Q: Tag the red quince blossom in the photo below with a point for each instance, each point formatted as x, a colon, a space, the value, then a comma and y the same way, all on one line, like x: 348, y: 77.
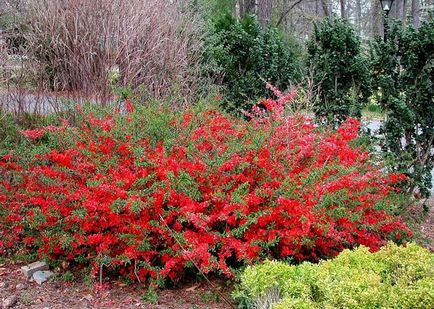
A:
x: 221, y: 193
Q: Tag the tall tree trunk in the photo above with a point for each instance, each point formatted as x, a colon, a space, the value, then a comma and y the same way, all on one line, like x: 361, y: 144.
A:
x: 265, y: 8
x: 246, y: 7
x: 249, y: 6
x: 342, y: 5
x: 326, y: 7
x: 398, y: 10
x: 415, y: 8
x: 376, y: 18
x: 403, y: 10
x: 240, y: 6
x: 358, y: 11
x: 394, y: 11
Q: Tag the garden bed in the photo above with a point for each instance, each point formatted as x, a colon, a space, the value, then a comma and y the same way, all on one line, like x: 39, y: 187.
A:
x: 60, y: 294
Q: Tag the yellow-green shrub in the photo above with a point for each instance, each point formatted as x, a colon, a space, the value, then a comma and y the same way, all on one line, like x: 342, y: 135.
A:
x: 394, y: 277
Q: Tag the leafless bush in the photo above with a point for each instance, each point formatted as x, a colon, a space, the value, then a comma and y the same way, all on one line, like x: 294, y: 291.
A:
x: 13, y: 5
x: 87, y: 46
x: 307, y: 93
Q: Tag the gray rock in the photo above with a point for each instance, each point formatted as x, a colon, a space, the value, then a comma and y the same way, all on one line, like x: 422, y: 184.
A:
x: 42, y: 276
x: 10, y: 301
x: 20, y: 286
x: 30, y: 269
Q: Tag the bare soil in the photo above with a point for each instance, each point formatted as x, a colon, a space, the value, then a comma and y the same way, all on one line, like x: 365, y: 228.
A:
x: 58, y: 294
x: 427, y: 227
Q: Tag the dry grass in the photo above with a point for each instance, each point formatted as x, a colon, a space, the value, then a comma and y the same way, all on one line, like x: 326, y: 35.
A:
x: 88, y: 46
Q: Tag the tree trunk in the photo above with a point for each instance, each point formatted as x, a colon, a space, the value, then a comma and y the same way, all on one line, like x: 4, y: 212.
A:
x: 415, y: 8
x: 393, y: 13
x: 239, y: 8
x: 326, y: 7
x: 358, y: 16
x: 265, y: 8
x: 246, y: 7
x: 377, y: 18
x: 249, y: 6
x: 342, y: 5
x: 403, y: 10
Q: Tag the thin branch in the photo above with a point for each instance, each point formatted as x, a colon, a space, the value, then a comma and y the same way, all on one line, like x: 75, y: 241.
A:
x: 283, y: 15
x: 198, y: 268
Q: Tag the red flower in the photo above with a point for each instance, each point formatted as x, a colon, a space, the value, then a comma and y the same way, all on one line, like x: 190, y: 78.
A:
x: 129, y: 106
x: 33, y: 134
x: 220, y: 192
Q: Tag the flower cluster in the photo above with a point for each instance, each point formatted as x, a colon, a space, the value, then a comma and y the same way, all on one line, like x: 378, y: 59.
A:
x: 223, y: 193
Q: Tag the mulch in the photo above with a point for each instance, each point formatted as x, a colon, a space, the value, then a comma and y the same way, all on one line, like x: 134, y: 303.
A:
x: 58, y: 294
x: 427, y: 227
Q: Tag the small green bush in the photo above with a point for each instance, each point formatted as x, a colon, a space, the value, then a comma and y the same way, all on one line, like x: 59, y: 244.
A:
x: 394, y: 277
x: 10, y: 126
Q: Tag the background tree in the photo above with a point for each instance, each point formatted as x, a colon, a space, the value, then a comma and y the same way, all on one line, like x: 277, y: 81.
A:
x: 246, y: 7
x: 242, y: 55
x: 415, y: 12
x: 403, y: 80
x: 265, y: 8
x: 339, y: 71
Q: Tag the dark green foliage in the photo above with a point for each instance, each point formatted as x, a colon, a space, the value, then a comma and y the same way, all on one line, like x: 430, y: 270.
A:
x: 339, y: 71
x: 10, y: 127
x: 214, y: 9
x: 403, y: 80
x: 242, y: 57
x: 12, y: 27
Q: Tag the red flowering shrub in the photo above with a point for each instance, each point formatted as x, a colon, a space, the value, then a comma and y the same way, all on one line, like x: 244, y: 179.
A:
x: 219, y: 192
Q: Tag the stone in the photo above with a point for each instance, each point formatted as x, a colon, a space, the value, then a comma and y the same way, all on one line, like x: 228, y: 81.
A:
x: 30, y: 269
x: 20, y: 286
x: 42, y: 275
x: 10, y: 302
x: 4, y: 285
x: 88, y: 297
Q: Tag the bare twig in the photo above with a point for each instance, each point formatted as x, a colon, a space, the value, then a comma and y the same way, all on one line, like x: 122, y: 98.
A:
x: 135, y: 271
x: 286, y: 12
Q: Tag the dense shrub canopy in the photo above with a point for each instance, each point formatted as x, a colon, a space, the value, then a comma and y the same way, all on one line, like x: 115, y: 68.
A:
x: 403, y: 82
x: 394, y: 277
x: 158, y: 190
x: 242, y: 56
x: 339, y: 70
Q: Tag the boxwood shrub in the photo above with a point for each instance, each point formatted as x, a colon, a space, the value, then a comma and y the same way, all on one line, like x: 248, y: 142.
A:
x: 394, y: 277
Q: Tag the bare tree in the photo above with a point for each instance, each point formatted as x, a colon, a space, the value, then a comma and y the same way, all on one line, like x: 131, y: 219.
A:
x: 342, y: 7
x: 326, y: 6
x: 287, y: 11
x: 358, y: 13
x: 265, y: 8
x: 415, y: 8
x: 246, y: 7
x: 376, y: 18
